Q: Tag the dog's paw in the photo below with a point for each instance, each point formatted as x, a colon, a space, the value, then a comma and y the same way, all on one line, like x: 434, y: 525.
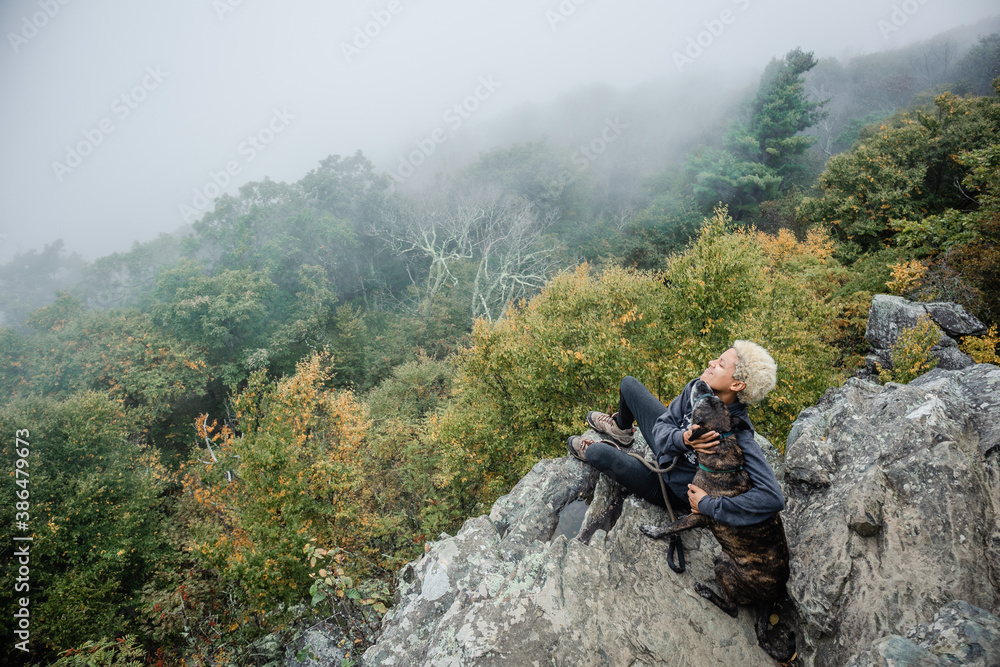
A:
x: 652, y: 531
x: 776, y: 632
x: 703, y: 590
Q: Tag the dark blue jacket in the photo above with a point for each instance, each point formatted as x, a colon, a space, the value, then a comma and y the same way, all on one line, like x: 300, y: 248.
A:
x: 756, y: 505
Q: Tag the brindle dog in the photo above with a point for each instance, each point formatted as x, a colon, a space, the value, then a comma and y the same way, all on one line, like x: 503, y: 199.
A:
x: 753, y: 566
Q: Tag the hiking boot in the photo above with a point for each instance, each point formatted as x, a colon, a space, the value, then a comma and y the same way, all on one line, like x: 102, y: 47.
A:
x: 577, y: 446
x: 606, y: 424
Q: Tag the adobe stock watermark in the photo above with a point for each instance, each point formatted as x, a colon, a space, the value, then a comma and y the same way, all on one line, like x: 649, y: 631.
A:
x: 122, y: 107
x: 248, y: 150
x: 562, y: 13
x: 714, y: 29
x: 365, y: 34
x: 454, y: 117
x: 899, y: 17
x: 38, y: 20
x: 224, y: 7
x: 587, y: 153
x: 22, y: 552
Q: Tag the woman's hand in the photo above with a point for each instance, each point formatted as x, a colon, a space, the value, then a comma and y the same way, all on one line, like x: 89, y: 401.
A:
x: 705, y: 443
x: 695, y: 494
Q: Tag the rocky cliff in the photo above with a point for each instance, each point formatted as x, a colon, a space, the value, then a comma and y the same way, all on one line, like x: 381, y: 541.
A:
x: 892, y: 520
x: 893, y: 498
x: 890, y: 315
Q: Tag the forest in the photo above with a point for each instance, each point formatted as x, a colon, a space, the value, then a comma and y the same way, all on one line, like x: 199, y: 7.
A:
x: 249, y: 425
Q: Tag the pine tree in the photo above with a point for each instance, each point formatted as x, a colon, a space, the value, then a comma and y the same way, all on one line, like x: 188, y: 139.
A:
x: 762, y: 154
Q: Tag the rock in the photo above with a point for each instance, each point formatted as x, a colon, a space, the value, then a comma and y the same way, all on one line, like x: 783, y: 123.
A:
x: 317, y: 646
x: 890, y: 315
x: 959, y: 634
x: 893, y: 498
x: 954, y: 319
x: 772, y: 454
x: 501, y: 593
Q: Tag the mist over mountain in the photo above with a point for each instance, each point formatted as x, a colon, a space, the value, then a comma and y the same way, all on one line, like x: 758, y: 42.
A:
x: 287, y: 291
x: 122, y: 120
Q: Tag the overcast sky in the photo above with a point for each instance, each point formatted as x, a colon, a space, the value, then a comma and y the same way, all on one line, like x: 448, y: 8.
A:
x: 117, y: 117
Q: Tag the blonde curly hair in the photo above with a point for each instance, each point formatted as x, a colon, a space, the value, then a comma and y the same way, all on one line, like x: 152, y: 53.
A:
x: 756, y: 369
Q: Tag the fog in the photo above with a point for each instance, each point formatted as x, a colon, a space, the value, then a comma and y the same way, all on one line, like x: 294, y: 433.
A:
x: 120, y: 120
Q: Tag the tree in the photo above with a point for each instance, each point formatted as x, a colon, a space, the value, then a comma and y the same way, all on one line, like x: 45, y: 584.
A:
x: 761, y: 155
x: 121, y: 353
x: 960, y: 250
x: 95, y: 513
x: 514, y: 260
x: 272, y: 227
x: 778, y: 114
x: 905, y: 170
x: 496, y: 232
x: 127, y: 279
x: 933, y: 60
x: 432, y: 234
x: 293, y: 474
x: 349, y: 189
x: 981, y: 65
x: 33, y: 279
x: 718, y: 175
x: 525, y: 379
x: 539, y: 173
x: 226, y: 315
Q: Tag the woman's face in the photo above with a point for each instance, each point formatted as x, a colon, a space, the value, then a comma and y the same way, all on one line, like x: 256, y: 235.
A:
x: 719, y: 374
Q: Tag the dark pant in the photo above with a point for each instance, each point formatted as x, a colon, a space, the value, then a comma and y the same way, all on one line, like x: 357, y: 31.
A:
x: 635, y: 404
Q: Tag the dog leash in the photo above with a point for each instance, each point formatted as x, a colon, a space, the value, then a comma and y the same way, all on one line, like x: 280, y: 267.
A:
x: 674, y: 545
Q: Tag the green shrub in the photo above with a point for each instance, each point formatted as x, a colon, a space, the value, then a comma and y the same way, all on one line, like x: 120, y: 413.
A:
x: 95, y: 514
x: 911, y: 356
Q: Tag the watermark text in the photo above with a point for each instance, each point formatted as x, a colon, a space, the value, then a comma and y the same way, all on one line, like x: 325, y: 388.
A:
x: 122, y: 107
x: 365, y: 34
x: 899, y: 16
x: 248, y: 150
x: 22, y: 543
x: 713, y: 29
x: 31, y: 25
x: 454, y: 117
x: 562, y: 13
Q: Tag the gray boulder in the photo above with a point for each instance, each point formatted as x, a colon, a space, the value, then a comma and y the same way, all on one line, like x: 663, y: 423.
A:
x: 954, y: 319
x: 319, y: 645
x: 893, y: 498
x: 959, y: 634
x: 890, y: 315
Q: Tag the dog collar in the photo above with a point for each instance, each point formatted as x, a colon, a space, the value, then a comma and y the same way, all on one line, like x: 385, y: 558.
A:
x: 707, y: 469
x: 698, y: 398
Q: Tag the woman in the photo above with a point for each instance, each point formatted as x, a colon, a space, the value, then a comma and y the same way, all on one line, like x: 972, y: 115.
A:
x: 742, y: 375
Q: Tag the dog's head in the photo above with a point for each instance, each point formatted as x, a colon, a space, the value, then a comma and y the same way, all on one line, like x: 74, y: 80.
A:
x: 710, y: 413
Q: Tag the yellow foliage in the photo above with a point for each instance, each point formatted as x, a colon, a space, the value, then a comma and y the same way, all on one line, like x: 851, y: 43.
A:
x: 778, y: 246
x: 983, y: 349
x: 784, y: 247
x: 288, y: 470
x: 906, y: 276
x: 819, y: 244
